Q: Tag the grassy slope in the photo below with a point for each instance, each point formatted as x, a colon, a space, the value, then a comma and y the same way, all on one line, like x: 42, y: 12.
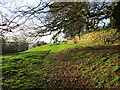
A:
x: 38, y: 67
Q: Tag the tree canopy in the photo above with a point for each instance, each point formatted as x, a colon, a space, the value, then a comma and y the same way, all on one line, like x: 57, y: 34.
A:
x: 69, y: 18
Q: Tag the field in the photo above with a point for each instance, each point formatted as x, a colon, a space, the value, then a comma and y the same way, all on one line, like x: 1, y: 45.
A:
x: 62, y: 65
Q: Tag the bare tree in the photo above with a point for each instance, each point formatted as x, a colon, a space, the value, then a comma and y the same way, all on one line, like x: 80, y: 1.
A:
x: 45, y: 18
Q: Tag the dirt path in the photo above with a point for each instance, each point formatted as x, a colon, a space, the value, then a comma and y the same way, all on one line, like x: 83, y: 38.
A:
x: 67, y: 75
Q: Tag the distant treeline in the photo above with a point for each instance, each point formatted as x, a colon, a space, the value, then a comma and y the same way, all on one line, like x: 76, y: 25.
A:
x: 13, y: 47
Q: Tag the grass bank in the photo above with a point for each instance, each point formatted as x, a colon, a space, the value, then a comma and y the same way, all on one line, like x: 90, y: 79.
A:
x: 62, y: 65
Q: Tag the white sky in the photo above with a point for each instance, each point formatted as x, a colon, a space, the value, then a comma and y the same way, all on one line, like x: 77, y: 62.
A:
x: 12, y: 4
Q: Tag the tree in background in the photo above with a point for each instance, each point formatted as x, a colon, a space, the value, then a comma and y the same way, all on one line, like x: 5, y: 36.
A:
x: 74, y: 18
x: 116, y: 16
x: 69, y: 18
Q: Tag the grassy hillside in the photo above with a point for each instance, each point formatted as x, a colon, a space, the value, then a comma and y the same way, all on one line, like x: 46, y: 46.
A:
x: 63, y: 65
x: 97, y: 37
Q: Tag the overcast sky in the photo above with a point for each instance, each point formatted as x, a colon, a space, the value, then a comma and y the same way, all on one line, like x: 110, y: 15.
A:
x: 12, y: 4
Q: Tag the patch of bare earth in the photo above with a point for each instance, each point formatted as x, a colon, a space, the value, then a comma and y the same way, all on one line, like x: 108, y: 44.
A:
x: 64, y: 74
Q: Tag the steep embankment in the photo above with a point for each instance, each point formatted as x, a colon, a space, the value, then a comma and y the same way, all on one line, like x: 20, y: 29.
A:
x: 55, y: 66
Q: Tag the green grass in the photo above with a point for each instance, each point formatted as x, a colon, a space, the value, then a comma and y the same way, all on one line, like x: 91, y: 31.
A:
x: 31, y: 68
x: 100, y: 70
x: 56, y: 47
x: 24, y: 68
x: 82, y: 52
x: 115, y: 80
x: 116, y: 68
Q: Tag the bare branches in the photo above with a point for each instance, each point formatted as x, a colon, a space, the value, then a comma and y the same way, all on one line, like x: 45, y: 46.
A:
x: 68, y: 18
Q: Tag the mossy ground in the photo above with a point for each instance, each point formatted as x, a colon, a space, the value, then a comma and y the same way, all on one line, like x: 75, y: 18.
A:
x: 63, y: 65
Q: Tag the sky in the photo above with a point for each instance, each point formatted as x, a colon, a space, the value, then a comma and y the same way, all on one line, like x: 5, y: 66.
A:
x: 12, y: 4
